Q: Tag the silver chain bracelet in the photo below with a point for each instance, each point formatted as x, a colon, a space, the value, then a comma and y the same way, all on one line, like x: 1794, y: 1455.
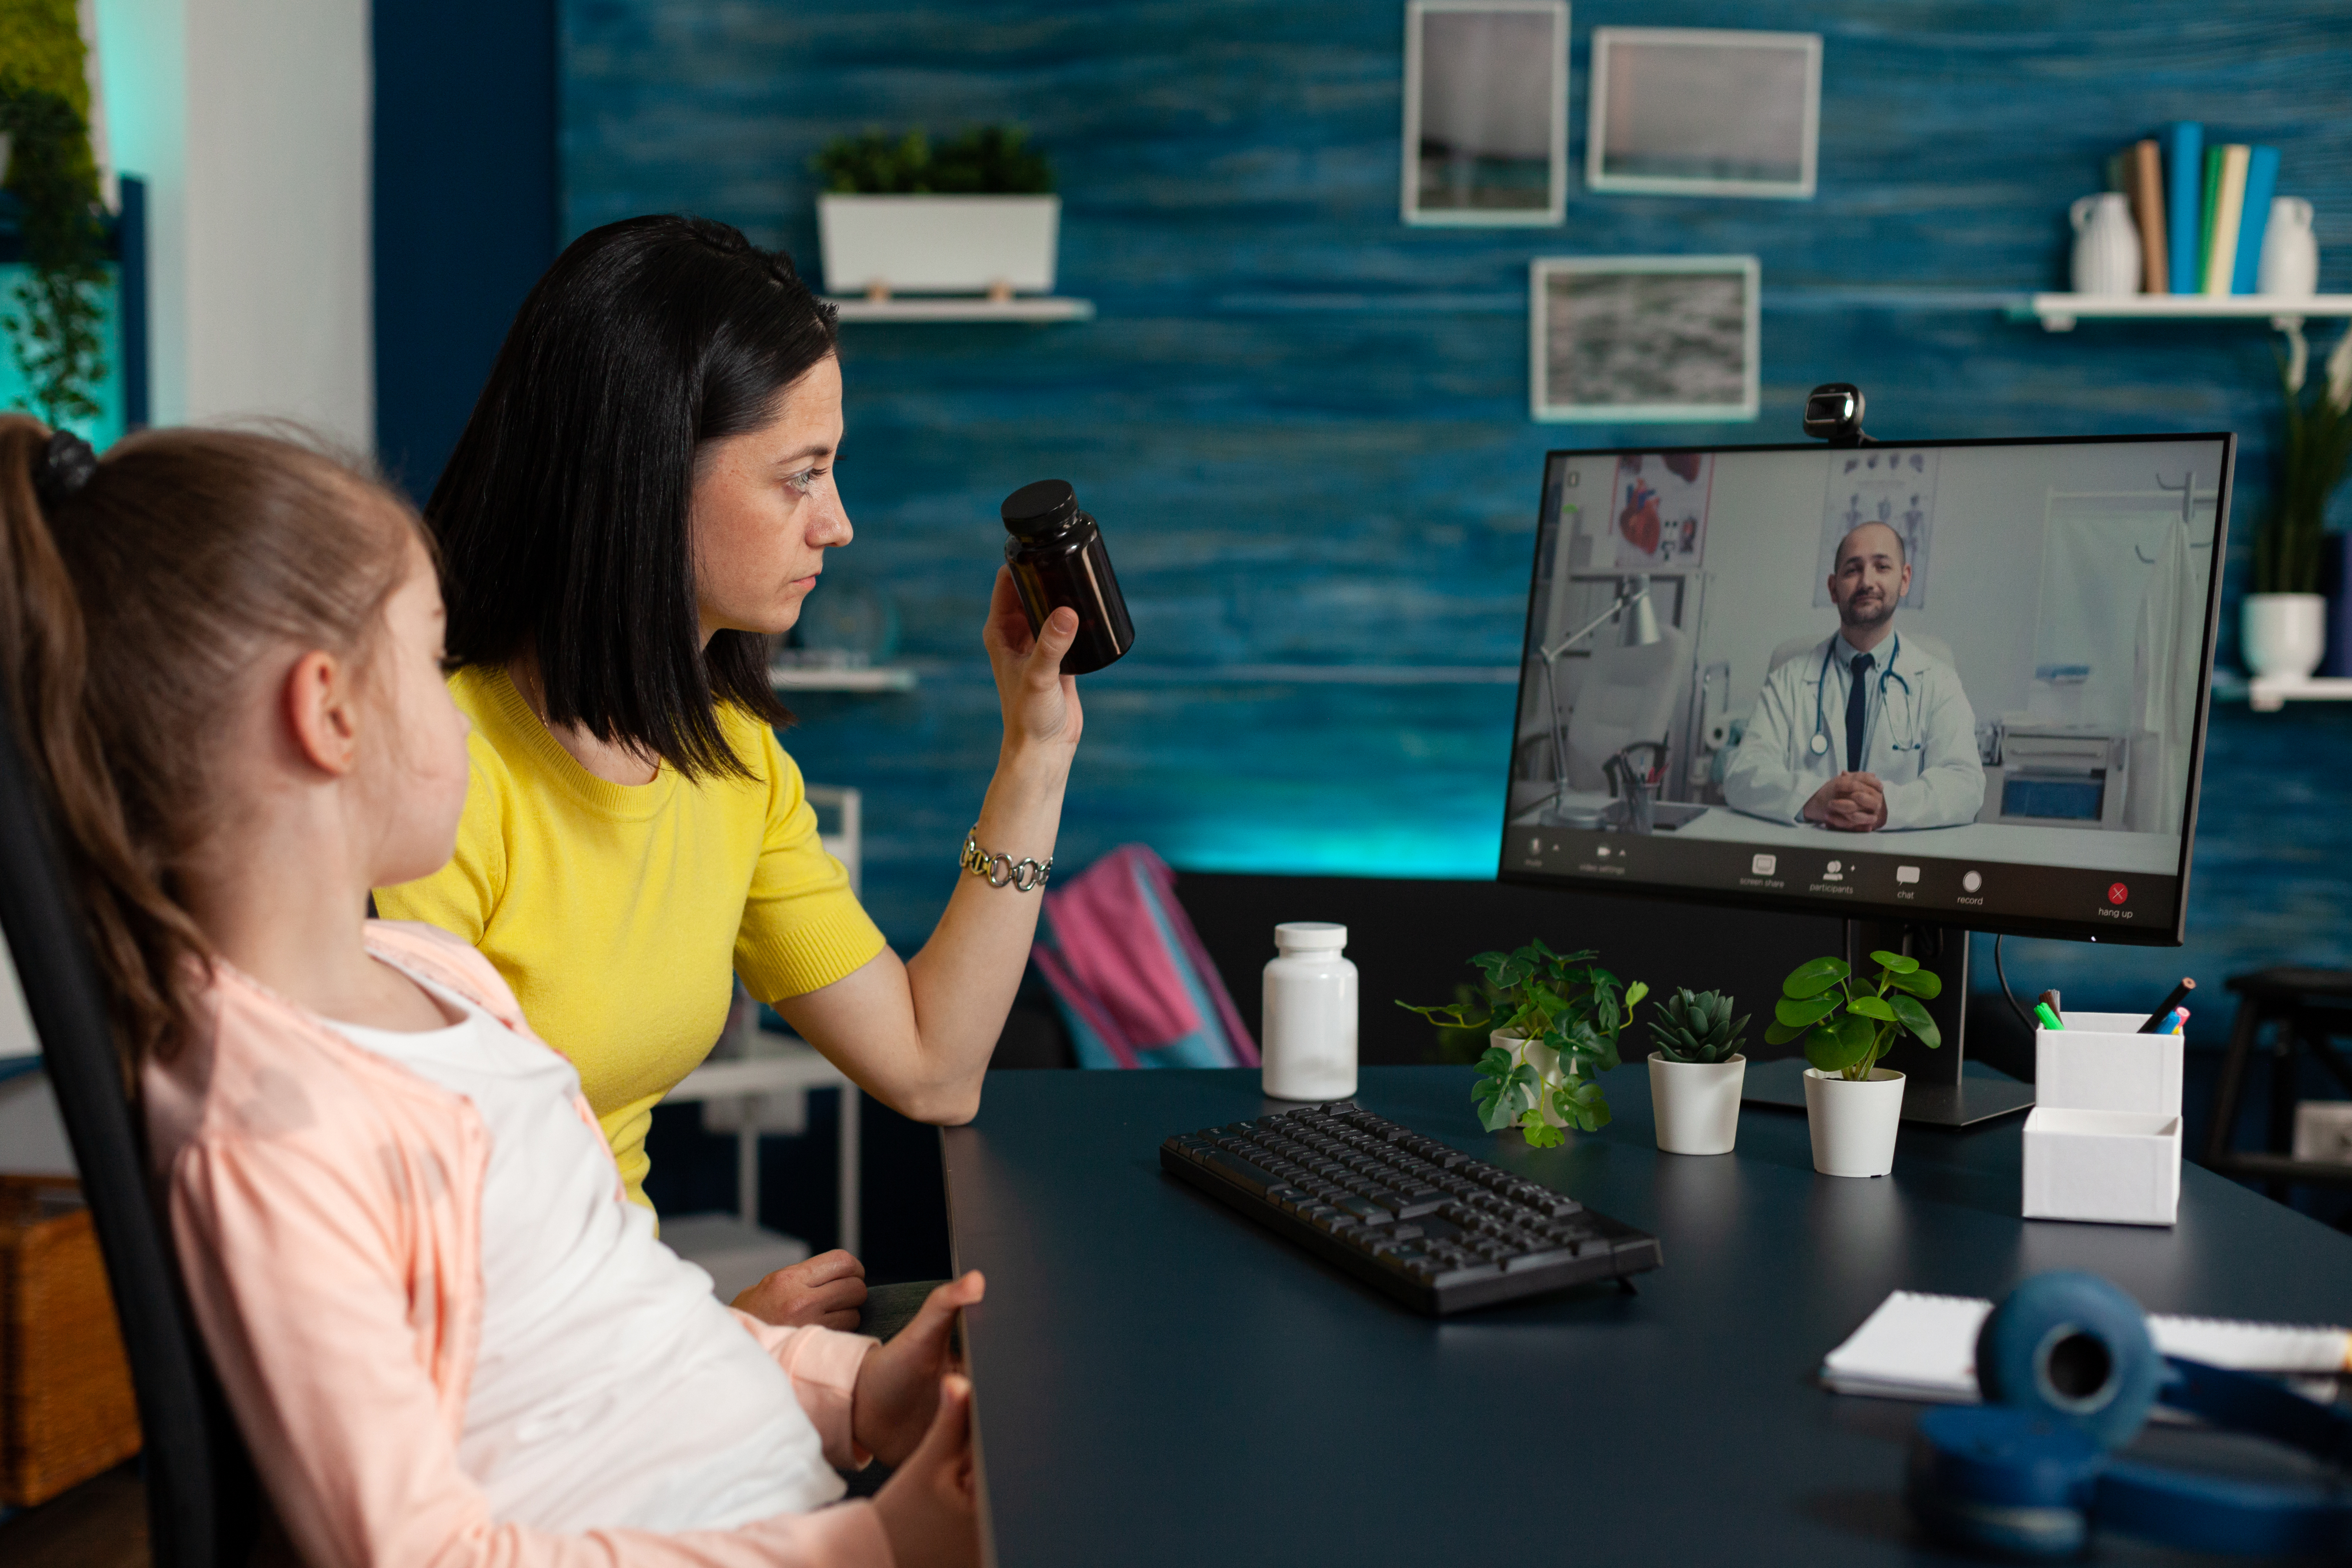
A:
x: 1003, y: 870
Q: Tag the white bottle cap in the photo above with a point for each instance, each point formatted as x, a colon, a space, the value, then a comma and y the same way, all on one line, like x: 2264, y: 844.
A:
x: 1310, y: 936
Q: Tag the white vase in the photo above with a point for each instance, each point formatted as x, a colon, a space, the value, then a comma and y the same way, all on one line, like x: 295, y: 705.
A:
x: 938, y: 245
x: 1696, y: 1104
x: 1545, y: 1061
x: 2290, y: 264
x: 1854, y: 1121
x: 2107, y: 245
x: 2284, y: 636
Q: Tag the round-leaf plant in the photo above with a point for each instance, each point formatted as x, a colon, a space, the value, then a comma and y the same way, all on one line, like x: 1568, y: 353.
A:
x: 1561, y: 1000
x: 1846, y: 1027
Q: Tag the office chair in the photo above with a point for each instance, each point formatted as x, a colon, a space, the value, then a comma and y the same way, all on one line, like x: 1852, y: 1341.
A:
x: 203, y: 1505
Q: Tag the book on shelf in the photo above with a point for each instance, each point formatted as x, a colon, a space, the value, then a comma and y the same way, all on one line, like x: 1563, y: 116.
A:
x: 2144, y: 183
x: 2184, y: 146
x: 2229, y: 207
x: 2262, y: 184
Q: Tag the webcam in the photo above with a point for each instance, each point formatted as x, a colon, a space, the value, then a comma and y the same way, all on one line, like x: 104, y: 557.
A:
x: 1833, y: 414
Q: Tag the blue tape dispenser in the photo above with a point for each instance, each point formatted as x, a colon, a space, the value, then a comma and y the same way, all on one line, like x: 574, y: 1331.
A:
x: 2069, y: 1374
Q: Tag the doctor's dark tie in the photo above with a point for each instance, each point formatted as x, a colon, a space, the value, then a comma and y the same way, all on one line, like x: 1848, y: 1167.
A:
x: 1857, y: 710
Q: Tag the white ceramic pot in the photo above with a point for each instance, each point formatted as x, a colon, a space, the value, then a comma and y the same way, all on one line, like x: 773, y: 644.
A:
x: 1696, y: 1104
x: 2284, y: 636
x: 1543, y: 1060
x: 1854, y: 1121
x: 2107, y: 245
x: 939, y: 245
x: 2290, y: 263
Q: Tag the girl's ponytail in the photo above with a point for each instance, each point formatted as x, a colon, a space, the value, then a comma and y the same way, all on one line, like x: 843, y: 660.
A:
x: 136, y: 592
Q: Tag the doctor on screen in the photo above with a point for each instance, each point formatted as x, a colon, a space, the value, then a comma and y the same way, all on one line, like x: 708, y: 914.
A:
x: 1862, y: 733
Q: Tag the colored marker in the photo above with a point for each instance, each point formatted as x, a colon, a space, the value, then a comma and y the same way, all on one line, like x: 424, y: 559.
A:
x: 2050, y: 1000
x: 2049, y: 1020
x: 2155, y: 1019
x: 2180, y: 1025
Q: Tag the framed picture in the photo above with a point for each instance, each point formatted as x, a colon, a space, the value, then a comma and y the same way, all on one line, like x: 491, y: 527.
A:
x: 1627, y: 339
x: 1703, y: 113
x: 1486, y: 111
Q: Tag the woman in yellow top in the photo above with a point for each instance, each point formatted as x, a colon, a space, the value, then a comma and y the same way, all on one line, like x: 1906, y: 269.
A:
x: 643, y: 497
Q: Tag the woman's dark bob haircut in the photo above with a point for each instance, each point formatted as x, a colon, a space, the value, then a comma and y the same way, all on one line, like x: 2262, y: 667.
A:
x: 562, y: 517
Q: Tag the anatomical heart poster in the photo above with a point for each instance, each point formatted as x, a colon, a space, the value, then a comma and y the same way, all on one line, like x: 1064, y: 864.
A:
x: 1657, y: 516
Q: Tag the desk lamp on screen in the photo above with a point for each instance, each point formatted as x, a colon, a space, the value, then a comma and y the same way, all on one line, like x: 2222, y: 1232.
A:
x: 1934, y: 686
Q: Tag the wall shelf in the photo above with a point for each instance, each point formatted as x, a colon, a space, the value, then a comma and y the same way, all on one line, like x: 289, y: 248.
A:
x: 859, y: 677
x: 2268, y: 696
x: 964, y: 308
x: 2059, y: 312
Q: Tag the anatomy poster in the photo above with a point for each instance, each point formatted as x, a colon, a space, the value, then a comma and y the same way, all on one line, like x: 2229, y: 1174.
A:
x: 1657, y: 518
x: 1880, y: 484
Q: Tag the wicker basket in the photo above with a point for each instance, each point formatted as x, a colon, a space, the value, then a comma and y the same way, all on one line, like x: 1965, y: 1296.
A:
x: 66, y: 1407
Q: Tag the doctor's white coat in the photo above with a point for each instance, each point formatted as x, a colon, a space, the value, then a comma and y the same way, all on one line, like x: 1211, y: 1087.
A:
x: 1922, y: 744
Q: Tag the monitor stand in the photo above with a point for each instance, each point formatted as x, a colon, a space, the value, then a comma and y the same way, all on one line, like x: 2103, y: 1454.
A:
x: 1935, y: 1091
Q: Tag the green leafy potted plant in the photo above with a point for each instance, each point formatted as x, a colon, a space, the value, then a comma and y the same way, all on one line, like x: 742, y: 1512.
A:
x: 1696, y: 1072
x: 1851, y: 1104
x: 1552, y: 1021
x: 55, y: 315
x: 974, y: 214
x: 2283, y: 629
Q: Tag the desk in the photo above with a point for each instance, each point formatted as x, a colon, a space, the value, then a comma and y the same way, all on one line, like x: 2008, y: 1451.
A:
x: 1161, y: 1380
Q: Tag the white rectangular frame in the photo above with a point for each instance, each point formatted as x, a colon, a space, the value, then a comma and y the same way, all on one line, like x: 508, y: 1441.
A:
x: 1747, y: 267
x: 1596, y: 111
x: 1555, y: 210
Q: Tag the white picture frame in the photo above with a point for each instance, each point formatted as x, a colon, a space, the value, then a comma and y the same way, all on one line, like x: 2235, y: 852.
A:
x: 1643, y: 339
x: 1485, y: 113
x: 1755, y: 131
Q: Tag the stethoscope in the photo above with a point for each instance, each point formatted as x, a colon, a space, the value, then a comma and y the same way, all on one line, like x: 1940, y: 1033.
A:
x: 1820, y: 744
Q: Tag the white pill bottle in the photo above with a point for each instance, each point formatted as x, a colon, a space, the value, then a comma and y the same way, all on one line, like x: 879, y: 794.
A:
x: 1310, y: 1014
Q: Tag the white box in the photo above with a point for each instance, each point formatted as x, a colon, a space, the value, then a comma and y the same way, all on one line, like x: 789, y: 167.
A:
x: 2102, y: 1142
x: 939, y: 245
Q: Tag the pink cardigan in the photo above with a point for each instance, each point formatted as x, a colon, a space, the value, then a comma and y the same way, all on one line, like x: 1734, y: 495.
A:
x: 326, y: 1204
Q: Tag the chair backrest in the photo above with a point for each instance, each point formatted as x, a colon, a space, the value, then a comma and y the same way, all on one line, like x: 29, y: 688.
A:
x: 1807, y: 642
x: 1628, y: 694
x: 202, y: 1503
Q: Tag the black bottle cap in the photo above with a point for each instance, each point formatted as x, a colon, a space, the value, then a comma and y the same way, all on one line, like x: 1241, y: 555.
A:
x: 1041, y: 510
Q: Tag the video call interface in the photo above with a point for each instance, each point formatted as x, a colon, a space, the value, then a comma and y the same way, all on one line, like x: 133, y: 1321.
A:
x: 1953, y: 682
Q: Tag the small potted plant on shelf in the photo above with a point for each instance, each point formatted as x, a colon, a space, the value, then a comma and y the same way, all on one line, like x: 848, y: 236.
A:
x: 1851, y: 1104
x: 1552, y: 1021
x: 973, y: 214
x: 2283, y: 632
x: 1696, y: 1072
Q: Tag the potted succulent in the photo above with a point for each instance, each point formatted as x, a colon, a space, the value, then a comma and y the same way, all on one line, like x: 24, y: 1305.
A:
x: 976, y: 213
x: 1851, y: 1104
x: 1696, y: 1072
x: 2283, y: 630
x: 1552, y: 1021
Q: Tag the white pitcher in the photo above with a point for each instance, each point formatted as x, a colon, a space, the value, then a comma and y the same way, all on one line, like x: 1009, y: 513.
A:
x: 2290, y: 264
x: 2107, y: 245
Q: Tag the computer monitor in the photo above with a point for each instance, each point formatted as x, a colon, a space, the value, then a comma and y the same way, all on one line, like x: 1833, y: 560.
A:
x: 2018, y: 752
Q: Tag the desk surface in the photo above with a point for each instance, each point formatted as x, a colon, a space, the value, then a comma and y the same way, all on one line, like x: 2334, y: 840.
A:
x: 1160, y: 1380
x: 1994, y: 843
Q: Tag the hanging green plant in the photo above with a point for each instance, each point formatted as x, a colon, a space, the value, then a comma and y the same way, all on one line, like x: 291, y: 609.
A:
x: 54, y: 329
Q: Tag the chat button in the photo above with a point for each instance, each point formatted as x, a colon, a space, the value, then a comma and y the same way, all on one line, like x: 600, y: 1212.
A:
x: 1906, y: 873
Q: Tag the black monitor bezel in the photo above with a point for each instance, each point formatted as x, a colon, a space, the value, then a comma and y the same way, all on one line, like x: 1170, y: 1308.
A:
x: 2006, y: 925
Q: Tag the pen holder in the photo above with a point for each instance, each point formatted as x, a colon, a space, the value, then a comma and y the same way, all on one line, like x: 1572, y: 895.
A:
x: 2102, y: 1142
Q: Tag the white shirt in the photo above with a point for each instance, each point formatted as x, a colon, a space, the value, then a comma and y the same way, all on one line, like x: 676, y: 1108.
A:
x: 611, y: 1388
x: 1919, y: 736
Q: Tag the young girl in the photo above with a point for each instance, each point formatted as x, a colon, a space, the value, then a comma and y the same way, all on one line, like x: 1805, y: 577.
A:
x: 447, y: 1335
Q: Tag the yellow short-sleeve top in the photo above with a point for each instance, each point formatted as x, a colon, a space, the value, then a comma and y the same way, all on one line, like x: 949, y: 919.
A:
x: 618, y: 912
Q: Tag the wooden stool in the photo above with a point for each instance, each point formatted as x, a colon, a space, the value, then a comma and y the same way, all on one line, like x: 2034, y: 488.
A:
x: 2311, y: 1008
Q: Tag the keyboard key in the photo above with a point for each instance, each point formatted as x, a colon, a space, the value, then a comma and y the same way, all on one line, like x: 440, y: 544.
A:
x: 1543, y: 1260
x: 1371, y: 1213
x: 1240, y: 1171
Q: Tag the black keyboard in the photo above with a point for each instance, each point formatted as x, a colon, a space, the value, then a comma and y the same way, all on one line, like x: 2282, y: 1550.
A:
x: 1421, y: 1220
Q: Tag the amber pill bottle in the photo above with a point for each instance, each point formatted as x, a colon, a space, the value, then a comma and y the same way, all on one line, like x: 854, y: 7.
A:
x: 1057, y: 558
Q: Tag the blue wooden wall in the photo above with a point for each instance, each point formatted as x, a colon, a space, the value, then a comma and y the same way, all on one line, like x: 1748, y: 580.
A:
x: 1304, y: 425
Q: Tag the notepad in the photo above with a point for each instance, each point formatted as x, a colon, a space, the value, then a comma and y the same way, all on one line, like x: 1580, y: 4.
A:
x: 1924, y: 1347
